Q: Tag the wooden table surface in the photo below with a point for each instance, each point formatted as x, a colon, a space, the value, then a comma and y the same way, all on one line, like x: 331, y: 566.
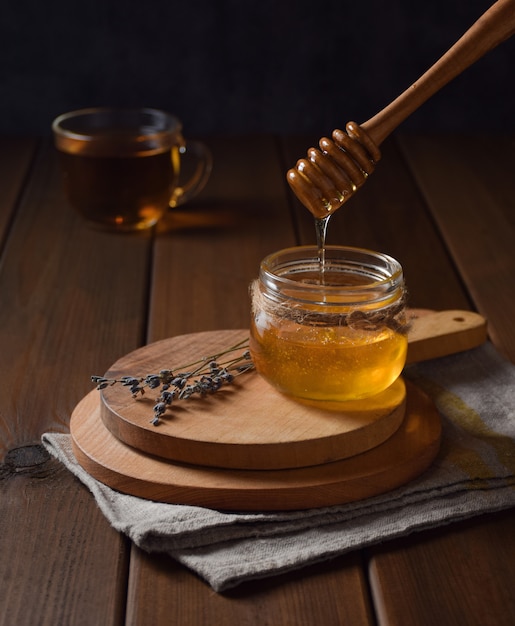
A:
x: 74, y: 300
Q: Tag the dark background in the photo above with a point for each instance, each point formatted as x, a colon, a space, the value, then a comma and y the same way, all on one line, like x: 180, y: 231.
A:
x: 245, y: 65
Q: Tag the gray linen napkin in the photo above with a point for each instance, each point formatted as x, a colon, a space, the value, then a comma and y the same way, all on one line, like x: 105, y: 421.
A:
x: 473, y: 473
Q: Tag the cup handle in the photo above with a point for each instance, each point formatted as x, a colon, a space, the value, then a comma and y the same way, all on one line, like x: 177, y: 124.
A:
x: 198, y: 152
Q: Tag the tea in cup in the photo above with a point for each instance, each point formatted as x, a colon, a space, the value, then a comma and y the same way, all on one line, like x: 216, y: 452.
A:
x: 121, y: 167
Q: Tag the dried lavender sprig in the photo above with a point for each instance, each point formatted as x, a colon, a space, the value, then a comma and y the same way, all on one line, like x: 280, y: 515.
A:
x: 201, y: 362
x: 166, y: 375
x: 210, y: 377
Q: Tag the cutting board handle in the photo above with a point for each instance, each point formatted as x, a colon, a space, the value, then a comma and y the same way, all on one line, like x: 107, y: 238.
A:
x: 434, y: 334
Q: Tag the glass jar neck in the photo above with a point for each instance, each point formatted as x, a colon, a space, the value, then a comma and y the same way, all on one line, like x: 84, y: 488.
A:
x: 349, y: 277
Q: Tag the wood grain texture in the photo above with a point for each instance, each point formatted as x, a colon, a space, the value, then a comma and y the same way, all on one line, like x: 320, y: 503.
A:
x: 250, y: 425
x: 207, y: 254
x: 245, y: 425
x: 402, y: 457
x: 61, y: 561
x: 463, y: 575
x: 436, y: 334
x: 67, y: 308
x: 16, y: 156
x: 58, y: 322
x: 468, y: 187
x: 332, y: 593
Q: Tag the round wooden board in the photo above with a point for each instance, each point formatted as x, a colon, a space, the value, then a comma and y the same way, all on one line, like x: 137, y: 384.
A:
x: 404, y: 456
x: 245, y: 425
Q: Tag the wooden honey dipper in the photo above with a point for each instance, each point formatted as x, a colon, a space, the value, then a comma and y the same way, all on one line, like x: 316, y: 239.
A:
x: 329, y: 176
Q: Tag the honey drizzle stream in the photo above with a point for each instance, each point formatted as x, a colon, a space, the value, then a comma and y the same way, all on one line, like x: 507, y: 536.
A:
x: 321, y: 231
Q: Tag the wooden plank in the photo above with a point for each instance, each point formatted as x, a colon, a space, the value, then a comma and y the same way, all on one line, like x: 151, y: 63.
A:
x: 72, y: 301
x: 61, y: 562
x: 388, y: 215
x: 469, y: 186
x: 16, y: 155
x: 331, y: 594
x: 207, y: 254
x: 464, y: 573
x: 202, y: 268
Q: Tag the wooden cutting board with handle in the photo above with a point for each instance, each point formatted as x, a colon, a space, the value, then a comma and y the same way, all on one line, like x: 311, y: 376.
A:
x: 231, y: 449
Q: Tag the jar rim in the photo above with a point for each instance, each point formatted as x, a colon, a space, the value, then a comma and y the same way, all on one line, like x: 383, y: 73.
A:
x: 278, y: 264
x: 377, y: 276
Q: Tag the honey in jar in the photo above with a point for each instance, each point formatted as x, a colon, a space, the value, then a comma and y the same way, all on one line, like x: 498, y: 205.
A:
x: 332, y: 331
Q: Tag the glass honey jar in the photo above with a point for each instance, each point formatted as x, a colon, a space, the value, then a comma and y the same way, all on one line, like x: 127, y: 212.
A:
x: 331, y: 329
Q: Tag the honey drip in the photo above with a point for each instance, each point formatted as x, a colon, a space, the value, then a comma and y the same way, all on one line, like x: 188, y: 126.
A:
x: 321, y: 224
